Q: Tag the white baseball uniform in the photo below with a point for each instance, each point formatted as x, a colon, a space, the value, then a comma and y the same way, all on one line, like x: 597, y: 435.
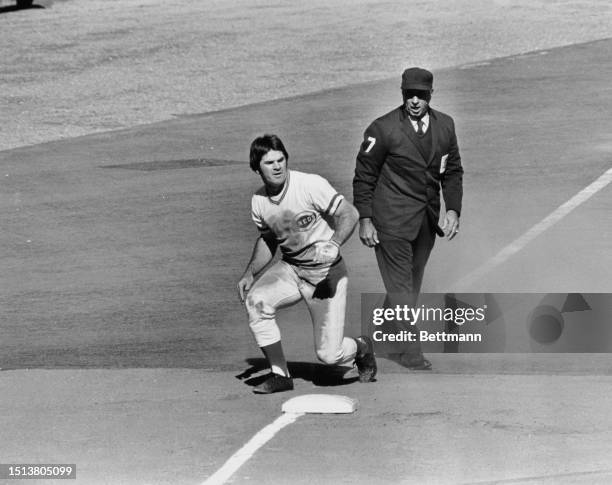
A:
x: 298, y: 219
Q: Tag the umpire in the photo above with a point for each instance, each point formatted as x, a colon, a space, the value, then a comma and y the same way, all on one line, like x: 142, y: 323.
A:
x: 406, y: 156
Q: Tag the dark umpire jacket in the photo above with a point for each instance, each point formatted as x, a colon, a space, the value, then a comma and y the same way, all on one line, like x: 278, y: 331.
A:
x: 396, y: 185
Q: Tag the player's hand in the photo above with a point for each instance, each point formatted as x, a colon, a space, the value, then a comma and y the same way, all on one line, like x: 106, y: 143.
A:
x: 244, y: 285
x: 451, y: 224
x: 326, y: 252
x: 368, y: 233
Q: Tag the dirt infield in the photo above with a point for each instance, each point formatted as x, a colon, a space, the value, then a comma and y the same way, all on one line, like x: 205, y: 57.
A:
x: 126, y: 247
x: 78, y: 67
x: 163, y: 427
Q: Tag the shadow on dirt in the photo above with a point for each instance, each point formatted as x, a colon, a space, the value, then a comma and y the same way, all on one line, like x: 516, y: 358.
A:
x: 181, y: 353
x: 319, y: 374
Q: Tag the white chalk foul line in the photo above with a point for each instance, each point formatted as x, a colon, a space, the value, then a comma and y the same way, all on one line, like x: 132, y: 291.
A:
x: 550, y: 220
x: 248, y: 450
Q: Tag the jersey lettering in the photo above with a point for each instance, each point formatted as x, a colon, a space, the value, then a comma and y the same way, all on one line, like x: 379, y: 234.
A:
x: 305, y: 220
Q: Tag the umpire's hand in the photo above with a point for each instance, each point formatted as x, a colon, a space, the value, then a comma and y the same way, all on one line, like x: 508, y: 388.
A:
x: 367, y: 232
x: 451, y: 224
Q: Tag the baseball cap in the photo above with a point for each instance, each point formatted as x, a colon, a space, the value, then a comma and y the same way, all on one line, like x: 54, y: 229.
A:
x: 417, y: 78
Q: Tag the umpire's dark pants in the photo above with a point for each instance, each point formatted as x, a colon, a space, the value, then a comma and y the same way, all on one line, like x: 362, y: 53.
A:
x: 402, y: 263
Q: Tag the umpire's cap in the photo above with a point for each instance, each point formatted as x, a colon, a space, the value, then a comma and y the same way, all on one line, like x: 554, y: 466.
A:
x: 417, y: 78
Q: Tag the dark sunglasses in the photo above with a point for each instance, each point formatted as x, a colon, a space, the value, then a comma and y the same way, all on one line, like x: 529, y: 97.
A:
x: 419, y: 93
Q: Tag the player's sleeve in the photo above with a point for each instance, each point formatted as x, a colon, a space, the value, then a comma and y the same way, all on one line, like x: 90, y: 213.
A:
x: 370, y: 159
x: 323, y: 197
x: 257, y: 218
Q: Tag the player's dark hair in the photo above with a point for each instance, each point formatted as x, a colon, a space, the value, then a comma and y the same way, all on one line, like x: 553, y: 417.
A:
x: 262, y: 145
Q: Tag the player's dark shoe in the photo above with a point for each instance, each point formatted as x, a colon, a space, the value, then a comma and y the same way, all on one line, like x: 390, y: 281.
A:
x: 365, y: 360
x: 274, y: 383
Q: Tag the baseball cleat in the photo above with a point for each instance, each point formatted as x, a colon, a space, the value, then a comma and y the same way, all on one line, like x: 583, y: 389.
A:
x: 364, y: 360
x: 274, y: 383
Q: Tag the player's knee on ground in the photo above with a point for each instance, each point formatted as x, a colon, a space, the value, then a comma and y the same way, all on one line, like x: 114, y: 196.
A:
x: 261, y: 321
x: 330, y: 356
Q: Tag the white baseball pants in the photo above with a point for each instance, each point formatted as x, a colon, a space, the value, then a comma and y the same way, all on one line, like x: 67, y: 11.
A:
x: 279, y: 287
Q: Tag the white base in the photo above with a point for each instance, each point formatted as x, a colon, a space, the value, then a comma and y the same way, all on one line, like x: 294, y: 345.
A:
x: 320, y: 404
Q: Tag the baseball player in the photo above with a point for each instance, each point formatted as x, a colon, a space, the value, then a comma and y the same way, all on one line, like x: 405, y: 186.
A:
x: 308, y: 220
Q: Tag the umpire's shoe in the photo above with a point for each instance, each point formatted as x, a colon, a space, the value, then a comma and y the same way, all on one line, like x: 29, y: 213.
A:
x: 365, y: 361
x: 412, y: 362
x: 274, y: 383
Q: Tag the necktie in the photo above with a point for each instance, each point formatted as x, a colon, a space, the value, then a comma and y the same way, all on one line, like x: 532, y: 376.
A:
x: 419, y: 127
